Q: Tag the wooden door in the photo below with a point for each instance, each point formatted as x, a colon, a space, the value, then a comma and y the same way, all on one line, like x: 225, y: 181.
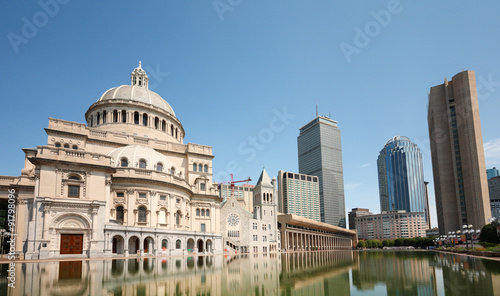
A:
x: 71, y: 243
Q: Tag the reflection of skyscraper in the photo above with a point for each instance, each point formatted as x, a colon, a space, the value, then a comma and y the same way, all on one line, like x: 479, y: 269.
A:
x: 320, y: 154
x: 458, y: 165
x: 401, y: 177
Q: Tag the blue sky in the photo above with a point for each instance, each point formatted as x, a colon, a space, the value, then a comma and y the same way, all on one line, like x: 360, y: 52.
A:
x: 231, y: 68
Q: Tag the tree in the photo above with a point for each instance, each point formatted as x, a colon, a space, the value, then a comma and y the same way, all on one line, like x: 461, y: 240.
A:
x: 489, y: 233
x: 361, y: 244
x: 399, y: 242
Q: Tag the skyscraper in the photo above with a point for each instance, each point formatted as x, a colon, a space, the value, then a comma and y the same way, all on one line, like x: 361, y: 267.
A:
x: 298, y: 195
x: 320, y: 154
x: 401, y: 177
x: 458, y: 164
x: 490, y: 173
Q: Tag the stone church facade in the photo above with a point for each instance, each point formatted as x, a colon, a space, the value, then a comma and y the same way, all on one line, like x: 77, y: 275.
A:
x: 124, y: 183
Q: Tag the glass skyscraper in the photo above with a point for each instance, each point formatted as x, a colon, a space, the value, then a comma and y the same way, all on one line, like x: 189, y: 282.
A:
x: 320, y: 154
x: 401, y: 177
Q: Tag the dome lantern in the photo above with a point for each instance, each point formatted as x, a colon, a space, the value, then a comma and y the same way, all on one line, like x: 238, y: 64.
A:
x: 139, y: 77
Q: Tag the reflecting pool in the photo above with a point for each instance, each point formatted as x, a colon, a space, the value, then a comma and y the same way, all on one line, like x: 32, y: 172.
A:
x: 305, y: 273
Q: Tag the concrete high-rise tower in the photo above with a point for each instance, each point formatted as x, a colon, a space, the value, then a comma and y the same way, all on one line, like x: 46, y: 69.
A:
x: 458, y: 165
x: 401, y: 177
x: 320, y: 154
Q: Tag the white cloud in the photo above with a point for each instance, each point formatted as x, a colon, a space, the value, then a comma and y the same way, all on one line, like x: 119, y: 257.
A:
x: 492, y: 152
x: 366, y: 165
x: 350, y: 186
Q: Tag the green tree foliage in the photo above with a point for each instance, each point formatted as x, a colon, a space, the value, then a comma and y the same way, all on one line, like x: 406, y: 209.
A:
x: 489, y: 233
x: 361, y: 244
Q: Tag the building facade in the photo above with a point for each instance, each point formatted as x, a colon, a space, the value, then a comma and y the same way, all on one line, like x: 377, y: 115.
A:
x: 320, y: 154
x: 458, y: 164
x: 242, y: 193
x: 357, y: 212
x: 401, y: 177
x: 391, y: 225
x: 493, y: 172
x: 124, y: 183
x: 494, y: 190
x: 245, y: 232
x: 299, y: 195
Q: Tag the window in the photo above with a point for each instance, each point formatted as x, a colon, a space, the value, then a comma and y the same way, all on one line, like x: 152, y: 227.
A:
x: 202, y: 186
x: 200, y: 167
x: 255, y: 226
x: 178, y: 200
x: 66, y: 146
x: 145, y: 119
x: 264, y: 227
x: 157, y: 123
x: 74, y: 178
x: 172, y: 171
x: 202, y: 227
x: 124, y: 162
x: 115, y: 115
x: 203, y: 213
x: 205, y: 169
x: 120, y: 194
x: 255, y: 238
x: 198, y: 212
x: 172, y: 130
x: 163, y: 197
x: 142, y: 195
x: 75, y: 147
x: 58, y: 145
x: 207, y: 213
x: 98, y: 117
x: 74, y: 191
x: 104, y: 115
x: 142, y: 215
x: 194, y: 167
x: 163, y: 125
x: 162, y: 218
x: 164, y: 244
x: 176, y: 133
x: 142, y: 163
x: 178, y: 218
x: 124, y: 116
x: 264, y: 238
x: 159, y: 167
x: 119, y: 214
x: 178, y: 244
x: 136, y: 117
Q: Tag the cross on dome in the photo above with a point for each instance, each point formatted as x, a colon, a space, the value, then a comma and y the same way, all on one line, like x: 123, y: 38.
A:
x: 139, y: 77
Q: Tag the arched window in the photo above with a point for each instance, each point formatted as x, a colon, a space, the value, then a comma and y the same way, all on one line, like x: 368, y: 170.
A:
x: 162, y: 218
x: 176, y: 133
x: 66, y: 145
x: 104, y: 115
x: 194, y: 167
x: 74, y: 178
x: 164, y: 244
x: 157, y: 122
x: 98, y: 118
x: 203, y: 213
x: 163, y: 125
x: 159, y: 167
x: 200, y: 167
x: 124, y: 162
x: 172, y: 170
x: 115, y: 115
x: 75, y: 147
x: 172, y: 130
x: 198, y: 212
x: 58, y: 145
x: 178, y: 244
x: 136, y: 117
x: 145, y: 119
x: 207, y: 213
x: 119, y: 214
x: 91, y: 121
x: 124, y: 116
x: 142, y: 215
x: 205, y: 168
x: 142, y: 163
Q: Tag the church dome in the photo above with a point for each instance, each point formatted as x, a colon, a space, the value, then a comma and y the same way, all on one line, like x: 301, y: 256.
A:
x: 138, y: 91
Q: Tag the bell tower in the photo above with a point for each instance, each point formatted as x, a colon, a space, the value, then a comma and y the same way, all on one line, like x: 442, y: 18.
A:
x: 265, y: 198
x: 139, y: 77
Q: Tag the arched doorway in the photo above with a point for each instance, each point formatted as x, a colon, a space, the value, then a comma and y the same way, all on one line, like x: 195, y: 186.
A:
x: 190, y: 245
x: 208, y: 247
x: 118, y: 244
x: 148, y: 245
x: 133, y: 245
x: 200, y: 246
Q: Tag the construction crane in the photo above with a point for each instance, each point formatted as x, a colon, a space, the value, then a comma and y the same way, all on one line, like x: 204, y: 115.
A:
x: 232, y: 182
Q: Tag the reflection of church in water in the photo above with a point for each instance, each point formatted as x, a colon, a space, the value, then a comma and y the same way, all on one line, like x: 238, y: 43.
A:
x: 126, y: 183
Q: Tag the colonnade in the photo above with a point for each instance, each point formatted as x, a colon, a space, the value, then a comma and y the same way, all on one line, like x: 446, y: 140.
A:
x: 309, y: 241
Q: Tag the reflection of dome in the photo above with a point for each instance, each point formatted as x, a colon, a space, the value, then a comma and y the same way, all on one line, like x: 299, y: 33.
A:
x: 135, y: 153
x: 138, y: 91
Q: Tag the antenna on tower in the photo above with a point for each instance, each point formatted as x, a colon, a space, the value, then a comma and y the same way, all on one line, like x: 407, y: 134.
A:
x: 316, y: 108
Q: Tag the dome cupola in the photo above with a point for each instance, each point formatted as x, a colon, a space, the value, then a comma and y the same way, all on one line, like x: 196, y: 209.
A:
x: 139, y: 77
